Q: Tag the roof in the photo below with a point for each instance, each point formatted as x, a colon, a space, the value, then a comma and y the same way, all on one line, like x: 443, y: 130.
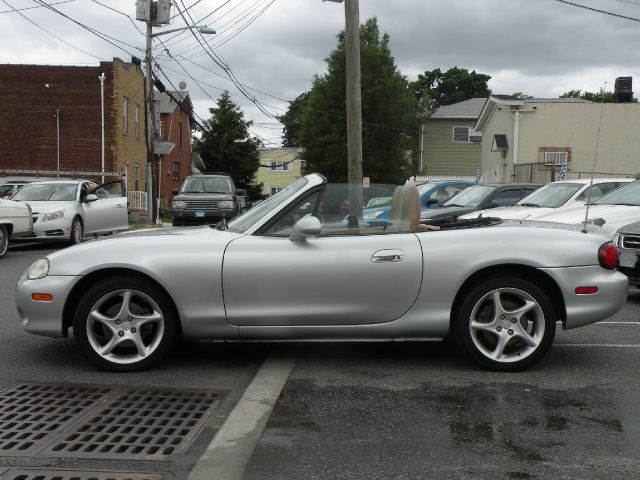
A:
x: 166, y: 104
x: 468, y: 109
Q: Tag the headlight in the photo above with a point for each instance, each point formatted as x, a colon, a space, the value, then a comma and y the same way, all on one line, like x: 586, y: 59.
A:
x: 38, y: 269
x: 225, y: 204
x: 179, y: 204
x: 372, y: 214
x: 53, y: 215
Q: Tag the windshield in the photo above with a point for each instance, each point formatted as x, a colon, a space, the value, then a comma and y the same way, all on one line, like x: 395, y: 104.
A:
x: 247, y: 219
x: 628, y: 194
x: 553, y: 195
x: 206, y: 185
x: 47, y: 192
x: 470, y: 196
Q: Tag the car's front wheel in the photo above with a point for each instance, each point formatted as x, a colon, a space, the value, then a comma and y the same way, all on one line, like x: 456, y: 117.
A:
x: 77, y: 231
x: 4, y: 240
x: 123, y: 324
x: 505, y: 324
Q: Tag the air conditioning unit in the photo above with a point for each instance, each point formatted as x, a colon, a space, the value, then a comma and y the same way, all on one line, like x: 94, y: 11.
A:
x: 475, y: 137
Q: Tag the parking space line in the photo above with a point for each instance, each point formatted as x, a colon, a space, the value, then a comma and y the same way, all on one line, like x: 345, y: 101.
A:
x: 229, y: 452
x: 617, y: 323
x: 623, y: 345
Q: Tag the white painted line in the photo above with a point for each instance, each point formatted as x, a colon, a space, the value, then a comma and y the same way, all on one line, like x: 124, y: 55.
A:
x: 633, y: 345
x: 617, y: 323
x: 227, y: 455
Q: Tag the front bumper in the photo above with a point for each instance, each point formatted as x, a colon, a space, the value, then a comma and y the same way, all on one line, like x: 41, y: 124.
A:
x: 200, y: 217
x: 52, y: 230
x: 44, y: 318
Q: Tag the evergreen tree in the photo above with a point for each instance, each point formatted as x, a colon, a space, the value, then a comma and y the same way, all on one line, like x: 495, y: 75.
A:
x: 225, y: 145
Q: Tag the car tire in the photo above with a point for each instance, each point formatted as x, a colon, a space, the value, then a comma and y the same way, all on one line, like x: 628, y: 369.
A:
x: 4, y: 240
x: 505, y: 324
x: 123, y: 324
x: 77, y: 231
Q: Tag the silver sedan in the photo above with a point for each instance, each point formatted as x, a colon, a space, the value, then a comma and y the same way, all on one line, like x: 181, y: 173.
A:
x: 291, y: 268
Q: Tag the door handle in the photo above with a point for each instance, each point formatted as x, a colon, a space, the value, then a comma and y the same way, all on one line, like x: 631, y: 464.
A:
x: 387, y: 256
x: 119, y: 205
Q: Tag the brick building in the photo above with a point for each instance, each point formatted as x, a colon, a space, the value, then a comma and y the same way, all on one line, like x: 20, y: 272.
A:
x: 29, y: 130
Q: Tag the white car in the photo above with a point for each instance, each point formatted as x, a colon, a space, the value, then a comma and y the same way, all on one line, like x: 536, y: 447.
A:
x: 15, y: 218
x: 554, y: 195
x: 70, y: 209
x: 612, y: 211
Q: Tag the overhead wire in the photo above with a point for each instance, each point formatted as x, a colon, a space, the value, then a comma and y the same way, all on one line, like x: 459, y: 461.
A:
x: 34, y: 6
x: 121, y: 13
x: 597, y: 10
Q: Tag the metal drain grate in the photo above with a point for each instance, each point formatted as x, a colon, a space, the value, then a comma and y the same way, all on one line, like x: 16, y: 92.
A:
x: 137, y: 423
x: 42, y: 474
x: 31, y: 414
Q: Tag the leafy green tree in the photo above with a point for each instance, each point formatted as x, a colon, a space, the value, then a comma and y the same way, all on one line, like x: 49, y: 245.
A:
x: 600, y: 97
x: 225, y: 145
x: 435, y: 88
x: 292, y: 121
x: 388, y: 131
x: 522, y: 96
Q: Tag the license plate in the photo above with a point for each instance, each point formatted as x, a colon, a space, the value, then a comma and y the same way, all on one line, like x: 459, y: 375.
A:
x: 199, y: 214
x: 628, y: 259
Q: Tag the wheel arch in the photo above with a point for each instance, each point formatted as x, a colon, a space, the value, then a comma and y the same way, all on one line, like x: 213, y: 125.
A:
x: 525, y: 272
x: 88, y: 280
x: 9, y: 227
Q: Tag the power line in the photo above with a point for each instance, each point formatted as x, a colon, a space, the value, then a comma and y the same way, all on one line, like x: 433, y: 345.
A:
x: 121, y: 13
x: 15, y: 10
x: 597, y: 10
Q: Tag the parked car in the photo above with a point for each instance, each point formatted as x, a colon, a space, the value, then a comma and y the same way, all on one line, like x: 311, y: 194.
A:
x: 432, y: 195
x: 15, y: 218
x: 9, y: 187
x: 628, y: 242
x: 68, y: 210
x: 555, y: 195
x: 278, y: 273
x: 480, y: 197
x: 611, y: 211
x: 204, y: 199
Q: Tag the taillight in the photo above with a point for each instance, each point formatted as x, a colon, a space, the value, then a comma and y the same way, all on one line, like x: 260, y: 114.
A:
x: 608, y: 256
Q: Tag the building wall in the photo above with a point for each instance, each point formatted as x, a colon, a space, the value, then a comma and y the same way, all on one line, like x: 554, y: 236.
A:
x: 278, y: 178
x: 572, y: 127
x: 441, y: 156
x: 176, y: 129
x: 129, y: 147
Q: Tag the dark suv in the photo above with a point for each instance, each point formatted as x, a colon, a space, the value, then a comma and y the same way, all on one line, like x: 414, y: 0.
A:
x: 204, y: 199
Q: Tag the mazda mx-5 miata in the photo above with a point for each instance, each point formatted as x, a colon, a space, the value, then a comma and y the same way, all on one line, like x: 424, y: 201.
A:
x: 289, y: 268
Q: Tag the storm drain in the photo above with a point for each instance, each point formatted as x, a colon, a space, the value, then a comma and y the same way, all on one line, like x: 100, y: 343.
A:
x: 101, y: 422
x: 42, y: 474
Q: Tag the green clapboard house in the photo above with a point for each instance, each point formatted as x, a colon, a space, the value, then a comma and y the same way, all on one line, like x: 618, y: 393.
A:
x: 450, y: 146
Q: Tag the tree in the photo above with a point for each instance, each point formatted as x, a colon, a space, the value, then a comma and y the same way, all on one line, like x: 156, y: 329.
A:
x: 522, y: 96
x: 387, y: 103
x: 225, y: 145
x: 435, y: 89
x: 601, y: 97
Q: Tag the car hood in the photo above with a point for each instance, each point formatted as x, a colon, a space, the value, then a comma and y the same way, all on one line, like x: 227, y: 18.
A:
x: 615, y: 216
x: 144, y: 248
x: 46, y: 207
x: 442, y: 212
x: 203, y: 196
x: 512, y: 213
x: 10, y: 205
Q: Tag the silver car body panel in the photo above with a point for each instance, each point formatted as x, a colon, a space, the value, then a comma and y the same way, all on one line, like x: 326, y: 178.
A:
x: 396, y: 285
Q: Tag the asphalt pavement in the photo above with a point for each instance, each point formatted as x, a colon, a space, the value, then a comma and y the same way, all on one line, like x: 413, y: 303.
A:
x: 401, y: 410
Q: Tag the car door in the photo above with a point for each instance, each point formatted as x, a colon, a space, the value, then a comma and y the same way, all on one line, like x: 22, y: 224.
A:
x: 109, y: 211
x: 338, y: 278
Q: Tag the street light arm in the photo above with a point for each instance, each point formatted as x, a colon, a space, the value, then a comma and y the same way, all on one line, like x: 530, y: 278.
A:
x: 201, y: 29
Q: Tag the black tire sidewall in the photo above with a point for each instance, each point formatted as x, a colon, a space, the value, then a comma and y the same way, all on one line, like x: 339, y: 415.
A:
x: 72, y: 239
x: 104, y: 287
x: 4, y: 244
x: 463, y: 315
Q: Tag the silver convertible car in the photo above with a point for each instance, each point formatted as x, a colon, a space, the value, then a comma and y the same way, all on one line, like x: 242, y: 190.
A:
x: 291, y: 268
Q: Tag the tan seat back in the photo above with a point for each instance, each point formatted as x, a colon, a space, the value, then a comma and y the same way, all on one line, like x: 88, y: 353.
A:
x: 405, y: 209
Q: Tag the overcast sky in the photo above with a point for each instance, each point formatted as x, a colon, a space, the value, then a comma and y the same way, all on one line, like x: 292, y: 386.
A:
x: 540, y: 47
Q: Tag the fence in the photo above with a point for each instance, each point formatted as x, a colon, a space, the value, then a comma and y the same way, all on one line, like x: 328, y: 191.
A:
x: 435, y: 178
x: 137, y: 200
x: 542, y: 173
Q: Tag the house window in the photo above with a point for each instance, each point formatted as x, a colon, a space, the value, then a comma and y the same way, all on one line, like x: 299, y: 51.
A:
x: 555, y: 158
x: 125, y: 115
x: 176, y: 171
x: 460, y: 134
x: 274, y: 190
x: 136, y: 178
x: 279, y: 166
x: 137, y: 120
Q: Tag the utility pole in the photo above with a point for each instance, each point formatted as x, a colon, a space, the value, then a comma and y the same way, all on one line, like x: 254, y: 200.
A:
x: 57, y: 117
x: 102, y: 78
x: 150, y: 113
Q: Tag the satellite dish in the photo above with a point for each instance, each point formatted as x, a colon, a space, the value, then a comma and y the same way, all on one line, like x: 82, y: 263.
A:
x: 182, y: 85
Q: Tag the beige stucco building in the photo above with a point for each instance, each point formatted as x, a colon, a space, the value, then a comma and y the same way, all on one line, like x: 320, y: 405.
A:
x: 278, y: 168
x: 528, y: 140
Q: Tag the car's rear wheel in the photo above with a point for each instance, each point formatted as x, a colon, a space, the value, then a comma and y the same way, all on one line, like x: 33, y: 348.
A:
x: 77, y: 231
x: 123, y: 324
x: 4, y: 240
x: 505, y: 324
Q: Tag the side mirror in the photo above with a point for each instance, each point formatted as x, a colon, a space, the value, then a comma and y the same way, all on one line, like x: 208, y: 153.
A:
x: 306, y: 227
x: 92, y: 197
x: 174, y: 191
x: 431, y: 201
